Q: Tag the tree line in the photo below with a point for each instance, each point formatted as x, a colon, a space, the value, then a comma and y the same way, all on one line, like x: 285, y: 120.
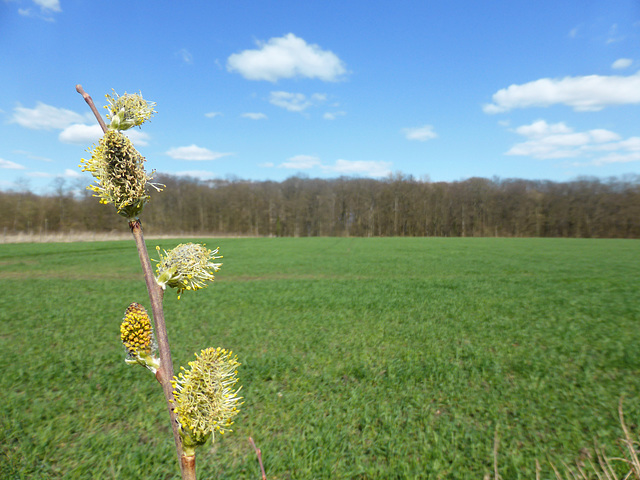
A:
x: 399, y: 205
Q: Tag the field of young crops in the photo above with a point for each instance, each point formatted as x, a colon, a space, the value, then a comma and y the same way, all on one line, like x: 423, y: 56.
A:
x: 361, y: 358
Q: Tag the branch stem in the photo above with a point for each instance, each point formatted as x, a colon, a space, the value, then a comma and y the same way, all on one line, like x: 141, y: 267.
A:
x: 92, y: 106
x: 259, y: 455
x: 156, y: 293
x: 188, y: 463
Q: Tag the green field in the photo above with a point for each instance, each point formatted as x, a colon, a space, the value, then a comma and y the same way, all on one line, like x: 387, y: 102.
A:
x: 361, y: 358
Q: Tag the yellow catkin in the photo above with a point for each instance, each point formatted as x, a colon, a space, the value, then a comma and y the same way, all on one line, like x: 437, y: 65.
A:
x: 135, y: 330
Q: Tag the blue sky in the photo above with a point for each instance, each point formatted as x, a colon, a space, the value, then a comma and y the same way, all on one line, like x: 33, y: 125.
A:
x: 259, y: 90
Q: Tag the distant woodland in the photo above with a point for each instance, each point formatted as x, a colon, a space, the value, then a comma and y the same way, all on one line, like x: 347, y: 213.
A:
x: 397, y: 206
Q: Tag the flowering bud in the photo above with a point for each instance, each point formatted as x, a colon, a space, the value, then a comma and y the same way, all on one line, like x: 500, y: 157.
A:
x: 120, y: 175
x: 136, y: 334
x: 188, y: 266
x: 128, y: 110
x: 204, y: 398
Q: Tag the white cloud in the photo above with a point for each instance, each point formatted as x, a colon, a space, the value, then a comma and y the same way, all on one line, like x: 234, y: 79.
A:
x: 295, y: 102
x: 333, y: 115
x: 541, y: 128
x: 600, y: 135
x: 421, y: 134
x: 632, y: 144
x: 32, y: 156
x: 70, y: 173
x: 286, y: 57
x: 622, y: 63
x: 360, y: 167
x: 301, y: 162
x: 341, y: 167
x: 193, y: 152
x: 614, y: 35
x: 137, y: 137
x: 40, y: 175
x: 213, y: 114
x: 199, y: 174
x: 553, y: 141
x: 81, y: 134
x: 587, y: 93
x: 614, y: 158
x: 254, y: 115
x: 45, y: 117
x: 49, y: 5
x: 185, y: 55
x: 11, y: 165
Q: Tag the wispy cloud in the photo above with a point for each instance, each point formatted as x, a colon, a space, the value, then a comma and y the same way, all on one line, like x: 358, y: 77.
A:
x: 287, y: 57
x: 334, y: 115
x: 556, y: 141
x: 301, y: 162
x: 45, y: 117
x: 70, y: 173
x: 47, y: 8
x: 213, y: 114
x: 586, y: 93
x: 361, y: 168
x: 80, y: 134
x: 32, y: 156
x: 199, y: 174
x: 614, y: 35
x: 138, y: 138
x: 422, y: 134
x: 49, y: 5
x: 622, y: 63
x: 254, y: 115
x: 295, y: 102
x: 193, y: 152
x: 185, y: 55
x: 11, y: 165
x: 374, y: 169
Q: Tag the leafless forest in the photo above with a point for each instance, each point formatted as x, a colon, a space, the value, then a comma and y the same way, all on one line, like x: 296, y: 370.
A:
x: 397, y: 206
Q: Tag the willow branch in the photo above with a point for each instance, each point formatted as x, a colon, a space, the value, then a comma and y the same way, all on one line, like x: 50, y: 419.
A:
x: 92, y: 106
x: 156, y: 293
x: 259, y: 455
x: 164, y: 375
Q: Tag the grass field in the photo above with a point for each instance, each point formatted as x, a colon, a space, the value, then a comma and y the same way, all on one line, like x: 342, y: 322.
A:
x: 361, y: 358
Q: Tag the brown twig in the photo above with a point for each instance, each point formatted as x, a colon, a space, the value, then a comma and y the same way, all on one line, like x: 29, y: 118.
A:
x: 92, y: 106
x: 165, y: 372
x: 259, y: 455
x: 496, y: 443
x: 188, y: 465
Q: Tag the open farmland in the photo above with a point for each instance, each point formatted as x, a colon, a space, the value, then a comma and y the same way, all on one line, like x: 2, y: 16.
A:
x: 361, y: 358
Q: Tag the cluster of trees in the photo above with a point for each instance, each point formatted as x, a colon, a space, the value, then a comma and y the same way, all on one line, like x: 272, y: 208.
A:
x: 397, y: 206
